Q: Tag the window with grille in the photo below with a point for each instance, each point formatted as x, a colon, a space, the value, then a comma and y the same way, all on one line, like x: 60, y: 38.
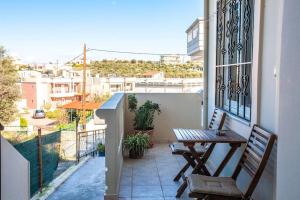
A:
x: 234, y: 57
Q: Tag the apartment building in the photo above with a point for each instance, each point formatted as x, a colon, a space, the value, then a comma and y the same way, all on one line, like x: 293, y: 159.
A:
x: 153, y: 75
x: 195, y: 38
x: 171, y: 59
x: 37, y: 89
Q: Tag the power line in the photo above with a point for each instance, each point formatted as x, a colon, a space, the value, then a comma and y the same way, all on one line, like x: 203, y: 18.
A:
x: 138, y: 53
x: 73, y: 58
x: 125, y: 52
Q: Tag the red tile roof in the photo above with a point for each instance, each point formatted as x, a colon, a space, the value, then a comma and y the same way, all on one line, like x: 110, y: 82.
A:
x: 150, y: 73
x: 78, y: 105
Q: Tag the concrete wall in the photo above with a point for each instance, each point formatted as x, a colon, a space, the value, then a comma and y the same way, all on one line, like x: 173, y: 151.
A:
x: 179, y: 110
x: 15, y: 177
x: 288, y: 164
x: 112, y: 114
x: 264, y: 89
x: 68, y: 145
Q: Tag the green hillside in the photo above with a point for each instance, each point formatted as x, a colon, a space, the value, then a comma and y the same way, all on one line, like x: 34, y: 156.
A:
x: 135, y: 68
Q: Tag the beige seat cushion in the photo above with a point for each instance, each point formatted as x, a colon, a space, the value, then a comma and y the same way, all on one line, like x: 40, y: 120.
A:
x: 179, y: 148
x: 224, y: 186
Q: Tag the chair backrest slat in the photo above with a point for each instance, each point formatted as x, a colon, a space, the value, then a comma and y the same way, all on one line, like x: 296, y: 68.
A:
x: 255, y: 156
x: 217, y: 120
x: 249, y: 168
x: 259, y: 151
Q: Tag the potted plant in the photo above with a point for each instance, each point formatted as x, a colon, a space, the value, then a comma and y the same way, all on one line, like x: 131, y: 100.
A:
x: 136, y: 144
x: 143, y: 116
x: 101, y: 150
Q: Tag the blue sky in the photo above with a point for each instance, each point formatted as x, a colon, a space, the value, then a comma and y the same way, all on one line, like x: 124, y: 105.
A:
x: 47, y: 30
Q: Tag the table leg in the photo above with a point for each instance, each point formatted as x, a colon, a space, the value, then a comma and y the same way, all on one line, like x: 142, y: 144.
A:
x: 178, y: 176
x: 200, y: 166
x: 226, y: 159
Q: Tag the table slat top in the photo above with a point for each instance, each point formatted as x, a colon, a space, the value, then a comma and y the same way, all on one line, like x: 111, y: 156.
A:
x: 207, y: 136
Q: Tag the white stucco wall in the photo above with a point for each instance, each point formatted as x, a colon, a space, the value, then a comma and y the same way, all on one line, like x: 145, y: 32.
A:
x: 42, y: 93
x: 288, y: 164
x: 178, y: 110
x: 15, y: 174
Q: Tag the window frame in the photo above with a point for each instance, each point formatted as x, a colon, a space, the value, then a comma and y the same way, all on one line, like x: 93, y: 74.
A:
x: 237, y: 18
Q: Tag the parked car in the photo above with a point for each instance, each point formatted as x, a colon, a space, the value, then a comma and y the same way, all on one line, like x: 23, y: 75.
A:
x: 39, y: 114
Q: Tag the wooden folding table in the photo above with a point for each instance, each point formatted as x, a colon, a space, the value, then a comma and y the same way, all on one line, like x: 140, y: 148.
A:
x: 189, y: 137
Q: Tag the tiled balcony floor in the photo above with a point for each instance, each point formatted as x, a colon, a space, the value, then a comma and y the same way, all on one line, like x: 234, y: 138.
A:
x: 87, y: 183
x: 152, y: 176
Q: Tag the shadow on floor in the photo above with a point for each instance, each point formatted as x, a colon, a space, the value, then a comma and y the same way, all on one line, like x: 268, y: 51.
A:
x: 87, y: 183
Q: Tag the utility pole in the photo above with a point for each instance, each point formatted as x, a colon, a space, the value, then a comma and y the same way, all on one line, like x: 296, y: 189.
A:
x: 83, y: 90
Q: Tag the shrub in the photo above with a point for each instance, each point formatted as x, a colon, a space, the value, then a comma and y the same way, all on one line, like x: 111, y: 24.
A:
x: 23, y: 122
x: 59, y: 115
x: 52, y: 114
x: 137, y: 142
x: 70, y: 126
x: 101, y: 147
x: 144, y: 115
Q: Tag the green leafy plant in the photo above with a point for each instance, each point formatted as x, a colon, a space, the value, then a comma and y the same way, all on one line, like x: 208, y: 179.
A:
x: 101, y: 148
x: 53, y: 114
x: 144, y: 115
x: 23, y: 122
x: 67, y: 126
x: 9, y: 90
x: 132, y: 102
x: 136, y: 144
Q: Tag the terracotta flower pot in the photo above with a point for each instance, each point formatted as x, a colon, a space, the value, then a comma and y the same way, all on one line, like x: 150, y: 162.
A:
x: 150, y: 133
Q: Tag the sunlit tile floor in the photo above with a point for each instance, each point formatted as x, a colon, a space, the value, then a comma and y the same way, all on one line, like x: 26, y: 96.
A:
x: 152, y: 176
x: 87, y: 183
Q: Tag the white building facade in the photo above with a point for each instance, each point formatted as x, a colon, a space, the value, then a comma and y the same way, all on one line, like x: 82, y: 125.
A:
x: 195, y: 41
x: 253, y: 74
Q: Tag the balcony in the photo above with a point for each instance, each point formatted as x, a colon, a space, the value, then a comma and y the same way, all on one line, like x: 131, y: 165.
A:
x: 152, y: 176
x: 118, y: 177
x: 62, y: 94
x: 195, y: 46
x: 124, y: 177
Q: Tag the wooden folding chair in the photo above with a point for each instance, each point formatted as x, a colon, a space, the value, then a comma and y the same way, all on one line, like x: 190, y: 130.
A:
x: 253, y: 161
x: 216, y: 123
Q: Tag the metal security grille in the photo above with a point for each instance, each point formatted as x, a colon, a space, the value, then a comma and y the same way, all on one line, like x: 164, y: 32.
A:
x: 234, y: 56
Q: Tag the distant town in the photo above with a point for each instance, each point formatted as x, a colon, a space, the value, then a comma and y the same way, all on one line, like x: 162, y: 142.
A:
x: 56, y: 85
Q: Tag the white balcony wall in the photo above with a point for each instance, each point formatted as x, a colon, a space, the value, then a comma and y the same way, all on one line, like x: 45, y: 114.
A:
x: 112, y: 114
x: 179, y: 110
x: 15, y: 173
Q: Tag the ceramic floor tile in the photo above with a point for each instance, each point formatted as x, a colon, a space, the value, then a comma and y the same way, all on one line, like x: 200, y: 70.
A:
x: 125, y: 191
x: 145, y: 180
x: 152, y: 176
x: 147, y: 191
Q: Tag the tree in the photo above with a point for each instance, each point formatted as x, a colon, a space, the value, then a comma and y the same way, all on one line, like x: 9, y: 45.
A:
x: 9, y: 91
x: 47, y: 106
